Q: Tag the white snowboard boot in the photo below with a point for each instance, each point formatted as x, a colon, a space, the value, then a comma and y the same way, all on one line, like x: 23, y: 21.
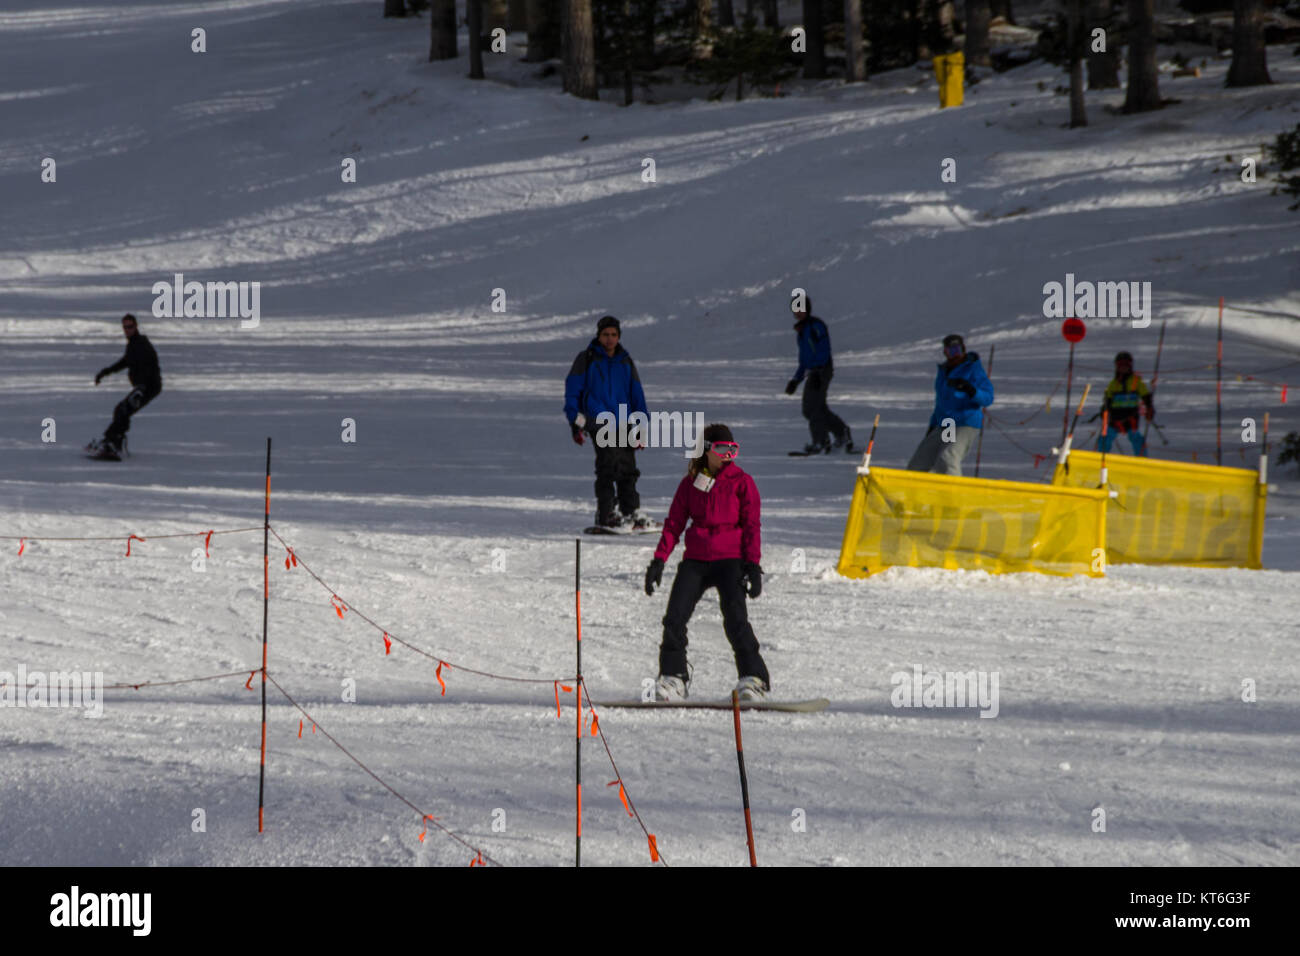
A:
x: 670, y: 688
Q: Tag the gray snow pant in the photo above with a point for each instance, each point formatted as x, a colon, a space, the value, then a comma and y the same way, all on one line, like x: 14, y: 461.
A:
x: 935, y: 454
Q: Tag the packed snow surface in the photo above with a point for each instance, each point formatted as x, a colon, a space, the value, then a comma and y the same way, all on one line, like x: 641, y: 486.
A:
x: 451, y: 519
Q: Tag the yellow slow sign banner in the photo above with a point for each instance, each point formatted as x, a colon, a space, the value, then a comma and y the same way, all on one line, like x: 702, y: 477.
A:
x: 923, y: 520
x: 1171, y: 512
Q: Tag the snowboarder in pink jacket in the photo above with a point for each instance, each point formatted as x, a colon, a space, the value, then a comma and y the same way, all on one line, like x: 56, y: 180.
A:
x: 723, y: 549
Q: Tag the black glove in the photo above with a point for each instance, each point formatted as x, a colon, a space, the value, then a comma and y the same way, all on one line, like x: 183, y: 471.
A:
x: 578, y: 437
x: 963, y: 386
x: 654, y: 575
x: 100, y: 374
x: 753, y: 577
x: 791, y: 386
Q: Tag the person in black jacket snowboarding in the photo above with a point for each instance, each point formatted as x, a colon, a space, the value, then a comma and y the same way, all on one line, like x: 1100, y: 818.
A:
x: 141, y: 363
x: 815, y: 362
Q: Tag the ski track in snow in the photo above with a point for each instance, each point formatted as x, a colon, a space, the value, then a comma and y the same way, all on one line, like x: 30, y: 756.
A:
x: 451, y: 520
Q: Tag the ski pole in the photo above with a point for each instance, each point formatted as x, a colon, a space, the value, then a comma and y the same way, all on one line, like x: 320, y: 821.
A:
x: 266, y: 610
x: 1069, y: 437
x: 1218, y: 393
x: 744, y: 780
x: 1155, y: 376
x: 979, y: 449
x: 1105, y: 431
x: 1161, y: 432
x: 865, y: 467
x: 577, y: 687
x: 1066, y: 428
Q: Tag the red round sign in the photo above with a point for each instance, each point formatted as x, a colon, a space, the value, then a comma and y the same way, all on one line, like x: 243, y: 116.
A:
x: 1073, y: 330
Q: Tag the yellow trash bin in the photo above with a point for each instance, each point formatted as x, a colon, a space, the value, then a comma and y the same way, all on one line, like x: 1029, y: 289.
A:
x: 950, y: 71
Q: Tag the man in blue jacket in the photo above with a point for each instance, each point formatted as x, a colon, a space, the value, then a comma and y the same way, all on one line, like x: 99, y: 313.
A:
x: 961, y: 392
x: 602, y: 378
x: 815, y: 362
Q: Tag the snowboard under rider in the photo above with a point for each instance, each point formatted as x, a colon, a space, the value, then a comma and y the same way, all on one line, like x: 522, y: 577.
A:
x: 602, y: 378
x: 723, y: 549
x: 141, y: 362
x: 815, y: 362
x: 961, y: 393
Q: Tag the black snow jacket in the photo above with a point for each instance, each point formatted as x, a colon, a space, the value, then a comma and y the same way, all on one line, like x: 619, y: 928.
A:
x: 141, y: 362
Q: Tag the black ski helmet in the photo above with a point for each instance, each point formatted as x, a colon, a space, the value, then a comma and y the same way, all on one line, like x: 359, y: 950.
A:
x: 1124, y: 357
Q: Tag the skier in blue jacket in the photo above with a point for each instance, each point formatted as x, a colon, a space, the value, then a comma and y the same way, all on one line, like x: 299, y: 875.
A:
x: 603, y: 378
x: 815, y: 362
x: 961, y: 392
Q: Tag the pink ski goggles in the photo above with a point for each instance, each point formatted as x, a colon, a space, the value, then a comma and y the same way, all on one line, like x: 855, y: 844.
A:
x: 726, y: 450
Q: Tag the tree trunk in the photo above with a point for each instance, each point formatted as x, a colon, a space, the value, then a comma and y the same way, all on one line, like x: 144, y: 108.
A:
x: 855, y: 59
x: 1074, y: 47
x: 1002, y: 8
x: 1103, y: 68
x: 1143, y: 83
x: 627, y: 38
x: 474, y: 20
x: 497, y: 15
x: 814, y: 60
x: 771, y: 15
x: 516, y: 15
x: 726, y: 14
x: 394, y: 8
x: 702, y: 27
x: 543, y: 31
x: 648, y: 11
x: 946, y: 20
x: 976, y: 49
x: 579, y: 50
x: 442, y: 30
x: 1249, y: 60
x: 918, y: 26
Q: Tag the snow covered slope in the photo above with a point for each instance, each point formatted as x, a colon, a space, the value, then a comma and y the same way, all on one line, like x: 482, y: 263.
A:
x: 451, y: 519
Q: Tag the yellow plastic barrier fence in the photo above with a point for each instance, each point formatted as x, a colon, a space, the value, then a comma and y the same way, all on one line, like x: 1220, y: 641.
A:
x: 924, y: 520
x: 1171, y: 512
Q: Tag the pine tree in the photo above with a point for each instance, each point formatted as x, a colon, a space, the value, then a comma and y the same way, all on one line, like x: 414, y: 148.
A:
x: 814, y: 61
x: 1103, y: 66
x: 1249, y: 57
x: 579, y: 50
x: 855, y: 54
x: 442, y: 30
x: 1143, y: 84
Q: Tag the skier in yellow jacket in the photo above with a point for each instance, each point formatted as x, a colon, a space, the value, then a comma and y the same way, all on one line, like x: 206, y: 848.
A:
x: 1128, y: 398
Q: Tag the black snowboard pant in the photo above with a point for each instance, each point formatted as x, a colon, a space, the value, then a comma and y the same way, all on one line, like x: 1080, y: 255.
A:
x: 821, y: 420
x: 136, y: 399
x: 616, y: 475
x: 692, y: 580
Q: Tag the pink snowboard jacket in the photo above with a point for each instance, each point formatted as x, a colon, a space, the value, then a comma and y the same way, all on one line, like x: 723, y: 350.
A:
x: 724, y: 520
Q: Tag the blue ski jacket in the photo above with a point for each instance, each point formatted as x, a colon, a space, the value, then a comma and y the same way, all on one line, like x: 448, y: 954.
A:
x: 600, y: 383
x: 962, y: 408
x: 814, y: 346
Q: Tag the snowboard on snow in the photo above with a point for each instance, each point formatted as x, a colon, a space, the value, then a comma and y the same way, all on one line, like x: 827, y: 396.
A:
x: 813, y: 454
x: 812, y: 706
x: 654, y: 527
